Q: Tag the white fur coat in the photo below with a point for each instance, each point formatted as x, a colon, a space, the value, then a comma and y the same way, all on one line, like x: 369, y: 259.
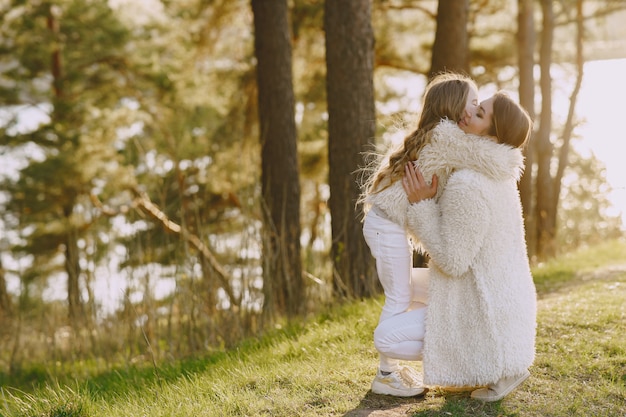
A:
x: 448, y: 149
x: 481, y: 318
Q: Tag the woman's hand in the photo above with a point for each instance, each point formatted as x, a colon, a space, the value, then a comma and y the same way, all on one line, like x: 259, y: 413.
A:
x: 414, y: 185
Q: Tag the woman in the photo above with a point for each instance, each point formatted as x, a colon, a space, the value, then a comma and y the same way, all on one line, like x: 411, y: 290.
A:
x: 451, y: 96
x: 481, y: 320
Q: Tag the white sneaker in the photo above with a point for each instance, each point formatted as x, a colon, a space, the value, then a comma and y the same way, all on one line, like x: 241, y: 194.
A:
x: 401, y: 383
x: 418, y: 378
x: 501, y: 389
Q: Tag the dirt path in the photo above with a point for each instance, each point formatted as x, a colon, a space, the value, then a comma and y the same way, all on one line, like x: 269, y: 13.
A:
x: 398, y: 411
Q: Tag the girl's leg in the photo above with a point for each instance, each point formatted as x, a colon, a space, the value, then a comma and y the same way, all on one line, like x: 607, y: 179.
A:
x: 401, y: 337
x: 390, y: 247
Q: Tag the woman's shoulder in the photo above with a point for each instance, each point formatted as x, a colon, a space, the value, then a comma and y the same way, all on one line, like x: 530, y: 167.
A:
x: 468, y: 175
x: 470, y: 180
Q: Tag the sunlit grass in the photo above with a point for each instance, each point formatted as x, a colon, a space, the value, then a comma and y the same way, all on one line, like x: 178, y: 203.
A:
x: 323, y: 366
x: 550, y: 276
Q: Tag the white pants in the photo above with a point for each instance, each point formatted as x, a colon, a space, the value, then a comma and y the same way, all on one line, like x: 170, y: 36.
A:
x: 400, y: 331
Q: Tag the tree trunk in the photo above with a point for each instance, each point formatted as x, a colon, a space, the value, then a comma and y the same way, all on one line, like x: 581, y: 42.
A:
x: 55, y: 59
x: 451, y: 46
x: 545, y: 193
x: 6, y: 306
x: 72, y: 268
x: 70, y: 240
x: 526, y: 62
x: 569, y: 123
x: 282, y: 275
x: 351, y: 130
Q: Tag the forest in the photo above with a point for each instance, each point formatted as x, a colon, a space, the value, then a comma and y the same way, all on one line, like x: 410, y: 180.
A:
x: 178, y: 176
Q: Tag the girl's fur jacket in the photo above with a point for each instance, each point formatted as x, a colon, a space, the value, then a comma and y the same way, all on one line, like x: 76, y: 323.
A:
x: 481, y: 318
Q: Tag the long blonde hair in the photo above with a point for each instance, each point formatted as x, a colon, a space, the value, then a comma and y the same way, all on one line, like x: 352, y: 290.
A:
x: 445, y: 98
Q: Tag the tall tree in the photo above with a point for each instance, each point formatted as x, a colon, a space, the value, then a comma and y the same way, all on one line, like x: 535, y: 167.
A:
x: 526, y: 63
x: 282, y: 275
x: 545, y: 228
x: 74, y: 45
x: 351, y: 129
x: 451, y: 47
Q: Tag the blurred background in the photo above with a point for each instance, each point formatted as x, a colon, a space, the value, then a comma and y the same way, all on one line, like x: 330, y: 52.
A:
x: 179, y: 175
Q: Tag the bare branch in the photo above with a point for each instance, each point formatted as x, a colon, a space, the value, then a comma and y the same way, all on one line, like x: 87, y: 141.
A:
x: 143, y: 203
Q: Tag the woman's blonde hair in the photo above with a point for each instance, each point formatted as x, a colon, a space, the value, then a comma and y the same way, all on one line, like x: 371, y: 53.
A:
x: 445, y: 98
x: 510, y: 122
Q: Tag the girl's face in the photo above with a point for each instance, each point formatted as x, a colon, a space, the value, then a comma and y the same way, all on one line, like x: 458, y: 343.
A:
x: 480, y: 121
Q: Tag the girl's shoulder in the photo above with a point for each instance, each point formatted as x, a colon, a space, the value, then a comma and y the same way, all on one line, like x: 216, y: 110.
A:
x: 446, y: 130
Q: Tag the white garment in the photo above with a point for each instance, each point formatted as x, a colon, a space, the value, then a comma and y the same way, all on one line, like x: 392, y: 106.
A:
x: 448, y: 149
x: 481, y: 318
x: 402, y: 336
x: 390, y: 247
x: 400, y: 331
x: 385, y: 232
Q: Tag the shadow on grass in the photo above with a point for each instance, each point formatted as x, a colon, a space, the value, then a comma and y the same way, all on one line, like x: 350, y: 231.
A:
x: 385, y: 405
x: 434, y: 403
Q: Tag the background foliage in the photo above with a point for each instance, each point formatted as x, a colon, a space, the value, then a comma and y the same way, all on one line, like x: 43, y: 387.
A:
x: 130, y: 135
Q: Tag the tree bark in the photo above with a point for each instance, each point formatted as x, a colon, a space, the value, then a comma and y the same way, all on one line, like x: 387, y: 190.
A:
x: 351, y: 130
x: 72, y: 261
x: 544, y: 185
x: 282, y: 276
x: 526, y: 62
x: 451, y: 46
x: 72, y: 268
x: 6, y: 307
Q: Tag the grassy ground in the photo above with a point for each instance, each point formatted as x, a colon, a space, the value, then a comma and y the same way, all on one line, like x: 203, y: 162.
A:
x: 323, y: 367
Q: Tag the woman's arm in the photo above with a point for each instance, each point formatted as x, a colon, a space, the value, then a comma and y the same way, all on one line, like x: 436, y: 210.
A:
x: 452, y: 231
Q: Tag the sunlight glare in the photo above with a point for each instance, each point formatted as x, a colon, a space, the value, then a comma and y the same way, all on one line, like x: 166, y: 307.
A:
x: 601, y: 104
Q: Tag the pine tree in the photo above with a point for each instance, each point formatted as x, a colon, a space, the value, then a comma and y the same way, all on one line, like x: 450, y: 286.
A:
x: 68, y: 60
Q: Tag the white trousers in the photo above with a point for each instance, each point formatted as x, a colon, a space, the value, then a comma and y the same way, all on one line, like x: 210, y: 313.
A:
x: 401, y: 326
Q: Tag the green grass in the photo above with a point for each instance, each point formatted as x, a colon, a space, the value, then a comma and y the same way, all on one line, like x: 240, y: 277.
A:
x: 324, y: 366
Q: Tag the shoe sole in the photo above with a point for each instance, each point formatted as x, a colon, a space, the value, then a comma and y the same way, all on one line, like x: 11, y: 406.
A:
x: 499, y: 396
x: 386, y: 390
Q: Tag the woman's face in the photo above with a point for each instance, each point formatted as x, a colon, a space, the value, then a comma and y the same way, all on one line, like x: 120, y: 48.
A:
x: 470, y: 109
x: 480, y: 120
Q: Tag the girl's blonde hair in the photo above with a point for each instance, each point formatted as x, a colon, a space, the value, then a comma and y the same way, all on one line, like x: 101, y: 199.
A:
x: 445, y: 98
